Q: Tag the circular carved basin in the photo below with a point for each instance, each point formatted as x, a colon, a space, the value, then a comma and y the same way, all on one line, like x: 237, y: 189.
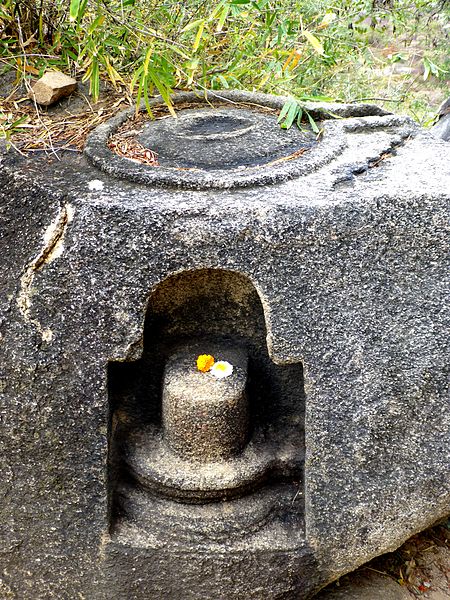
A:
x: 232, y: 141
x: 222, y: 138
x: 215, y: 125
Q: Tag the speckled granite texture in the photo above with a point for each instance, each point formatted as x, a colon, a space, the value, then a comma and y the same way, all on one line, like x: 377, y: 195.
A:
x: 339, y: 259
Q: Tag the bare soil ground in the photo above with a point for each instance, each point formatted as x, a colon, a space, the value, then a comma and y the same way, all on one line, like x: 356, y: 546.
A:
x: 418, y: 569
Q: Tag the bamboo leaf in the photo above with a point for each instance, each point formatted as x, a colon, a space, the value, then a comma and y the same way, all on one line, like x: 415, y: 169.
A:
x: 74, y: 8
x: 426, y: 69
x: 198, y: 37
x: 327, y: 20
x: 223, y: 81
x: 148, y: 56
x: 284, y: 111
x: 293, y: 59
x: 223, y: 17
x: 77, y: 9
x: 264, y: 80
x: 163, y: 90
x: 217, y: 10
x: 290, y: 117
x: 312, y: 123
x: 96, y: 24
x: 112, y: 73
x: 94, y: 79
x: 192, y: 25
x: 314, y: 42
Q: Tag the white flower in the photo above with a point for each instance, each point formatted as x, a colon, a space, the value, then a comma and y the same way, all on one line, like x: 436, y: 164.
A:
x: 221, y: 369
x: 95, y: 185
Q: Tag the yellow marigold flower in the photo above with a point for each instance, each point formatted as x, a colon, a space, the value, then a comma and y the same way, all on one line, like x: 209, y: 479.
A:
x: 205, y: 362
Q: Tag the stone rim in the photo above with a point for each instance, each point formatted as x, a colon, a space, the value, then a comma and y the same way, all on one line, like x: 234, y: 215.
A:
x: 158, y: 468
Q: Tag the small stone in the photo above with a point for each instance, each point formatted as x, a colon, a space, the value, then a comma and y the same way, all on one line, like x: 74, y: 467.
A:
x: 51, y: 87
x: 96, y: 185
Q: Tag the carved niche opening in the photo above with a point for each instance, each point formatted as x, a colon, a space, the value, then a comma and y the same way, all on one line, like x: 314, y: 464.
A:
x: 179, y: 437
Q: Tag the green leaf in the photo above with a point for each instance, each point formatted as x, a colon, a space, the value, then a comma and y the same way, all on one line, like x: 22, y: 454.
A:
x: 192, y: 25
x: 223, y: 18
x: 223, y: 81
x: 290, y: 117
x: 312, y: 123
x: 426, y: 68
x: 74, y: 8
x: 318, y: 98
x: 163, y: 89
x: 94, y: 79
x: 284, y: 111
x: 217, y: 10
x: 96, y: 24
x: 77, y: 9
x: 198, y: 37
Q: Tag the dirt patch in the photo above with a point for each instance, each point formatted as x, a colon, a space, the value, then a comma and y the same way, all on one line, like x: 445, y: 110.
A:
x: 418, y: 569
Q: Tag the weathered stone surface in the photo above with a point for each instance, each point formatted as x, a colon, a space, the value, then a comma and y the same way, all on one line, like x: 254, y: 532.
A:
x: 196, y: 140
x: 328, y: 269
x: 51, y: 87
x: 242, y: 164
x: 444, y: 109
x: 442, y: 128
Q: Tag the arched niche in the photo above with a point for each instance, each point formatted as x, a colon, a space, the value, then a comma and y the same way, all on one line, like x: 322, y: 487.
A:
x: 204, y: 307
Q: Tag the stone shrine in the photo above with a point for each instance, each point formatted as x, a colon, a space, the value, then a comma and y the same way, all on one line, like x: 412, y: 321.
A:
x: 314, y: 265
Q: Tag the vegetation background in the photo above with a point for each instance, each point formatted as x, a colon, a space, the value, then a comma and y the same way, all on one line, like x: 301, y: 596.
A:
x: 392, y: 52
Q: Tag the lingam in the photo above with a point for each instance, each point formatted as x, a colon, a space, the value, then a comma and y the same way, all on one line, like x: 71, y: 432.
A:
x: 205, y: 418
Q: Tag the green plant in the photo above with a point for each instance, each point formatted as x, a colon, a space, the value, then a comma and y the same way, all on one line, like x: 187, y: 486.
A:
x: 10, y: 125
x: 301, y: 48
x: 295, y: 111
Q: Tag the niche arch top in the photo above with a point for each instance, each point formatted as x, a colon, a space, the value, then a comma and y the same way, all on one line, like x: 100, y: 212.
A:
x: 207, y: 302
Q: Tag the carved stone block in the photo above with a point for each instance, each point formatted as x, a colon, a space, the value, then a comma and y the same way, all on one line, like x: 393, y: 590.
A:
x: 315, y: 266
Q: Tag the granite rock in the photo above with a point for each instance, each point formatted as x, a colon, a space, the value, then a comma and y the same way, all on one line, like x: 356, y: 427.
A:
x: 327, y: 268
x: 51, y: 87
x: 442, y: 128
